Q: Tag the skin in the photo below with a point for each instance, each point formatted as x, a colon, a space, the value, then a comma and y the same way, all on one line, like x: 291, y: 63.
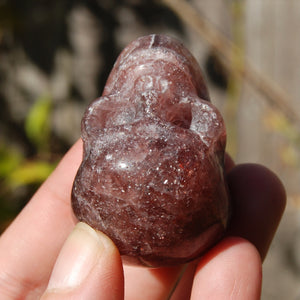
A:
x: 44, y: 240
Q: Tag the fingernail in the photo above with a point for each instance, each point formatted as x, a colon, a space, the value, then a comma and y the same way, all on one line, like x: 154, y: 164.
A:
x: 77, y: 258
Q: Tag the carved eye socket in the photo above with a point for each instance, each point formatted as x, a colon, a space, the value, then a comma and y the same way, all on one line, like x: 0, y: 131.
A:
x: 180, y: 114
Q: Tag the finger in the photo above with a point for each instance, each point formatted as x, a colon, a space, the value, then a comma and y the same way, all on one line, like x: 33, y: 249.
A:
x: 152, y: 284
x: 228, y: 163
x: 231, y: 270
x: 259, y: 199
x: 88, y: 267
x: 184, y: 287
x: 29, y: 247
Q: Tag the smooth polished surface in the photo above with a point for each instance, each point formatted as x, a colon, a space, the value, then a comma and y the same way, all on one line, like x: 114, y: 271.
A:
x: 152, y: 175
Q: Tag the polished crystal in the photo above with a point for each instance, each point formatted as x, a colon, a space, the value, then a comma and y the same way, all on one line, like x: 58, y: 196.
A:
x: 152, y: 174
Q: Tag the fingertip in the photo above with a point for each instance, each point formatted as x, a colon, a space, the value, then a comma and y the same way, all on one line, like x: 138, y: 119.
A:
x: 88, y: 264
x: 228, y: 163
x: 258, y: 199
x: 231, y: 270
x: 262, y: 177
x: 227, y: 246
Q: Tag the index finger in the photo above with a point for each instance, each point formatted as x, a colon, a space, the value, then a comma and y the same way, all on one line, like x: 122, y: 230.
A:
x: 29, y: 247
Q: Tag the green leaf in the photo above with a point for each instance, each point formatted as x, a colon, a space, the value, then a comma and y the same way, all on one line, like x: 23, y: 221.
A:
x: 9, y: 160
x: 37, y: 123
x: 34, y: 172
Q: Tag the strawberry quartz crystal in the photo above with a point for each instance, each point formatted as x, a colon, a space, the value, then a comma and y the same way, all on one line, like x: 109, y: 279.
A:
x: 152, y: 175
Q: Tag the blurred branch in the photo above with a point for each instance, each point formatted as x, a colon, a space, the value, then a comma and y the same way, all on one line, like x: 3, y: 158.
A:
x: 272, y: 92
x: 234, y: 88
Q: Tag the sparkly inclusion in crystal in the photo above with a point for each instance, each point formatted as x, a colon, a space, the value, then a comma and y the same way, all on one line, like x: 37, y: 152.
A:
x: 152, y: 174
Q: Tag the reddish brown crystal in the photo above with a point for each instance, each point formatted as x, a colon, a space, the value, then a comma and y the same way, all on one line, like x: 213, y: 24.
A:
x: 152, y: 173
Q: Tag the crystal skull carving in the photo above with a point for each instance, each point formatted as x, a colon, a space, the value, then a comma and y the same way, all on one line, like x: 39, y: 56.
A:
x: 152, y: 174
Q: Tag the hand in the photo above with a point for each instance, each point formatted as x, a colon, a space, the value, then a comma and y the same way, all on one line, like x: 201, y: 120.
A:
x: 85, y: 264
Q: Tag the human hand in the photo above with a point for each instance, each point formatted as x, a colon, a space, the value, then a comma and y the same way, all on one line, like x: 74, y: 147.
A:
x: 86, y: 264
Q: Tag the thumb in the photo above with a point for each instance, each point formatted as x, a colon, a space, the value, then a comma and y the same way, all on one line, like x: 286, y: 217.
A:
x: 88, y: 267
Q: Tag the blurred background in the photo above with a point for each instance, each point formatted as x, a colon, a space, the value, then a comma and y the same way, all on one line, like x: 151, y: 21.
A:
x: 55, y: 57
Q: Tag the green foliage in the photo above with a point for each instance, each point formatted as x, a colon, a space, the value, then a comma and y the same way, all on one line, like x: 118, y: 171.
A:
x: 19, y: 173
x: 9, y: 160
x: 37, y: 123
x: 17, y: 170
x: 278, y: 122
x: 30, y: 172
